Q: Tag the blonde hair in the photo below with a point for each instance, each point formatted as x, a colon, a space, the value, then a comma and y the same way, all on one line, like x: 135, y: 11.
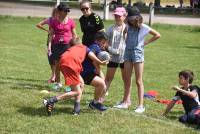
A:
x: 75, y: 41
x: 54, y: 13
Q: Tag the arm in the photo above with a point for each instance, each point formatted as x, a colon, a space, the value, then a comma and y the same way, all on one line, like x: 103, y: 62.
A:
x: 50, y: 36
x: 169, y: 107
x: 156, y: 35
x: 98, y: 70
x: 191, y: 94
x: 41, y: 24
x: 93, y: 57
x: 74, y: 35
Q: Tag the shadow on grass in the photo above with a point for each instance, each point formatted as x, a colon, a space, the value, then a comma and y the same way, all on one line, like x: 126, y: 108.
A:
x: 174, y: 115
x: 22, y: 83
x: 63, y: 107
x: 192, y: 47
x: 21, y: 79
x: 41, y: 111
x: 30, y: 86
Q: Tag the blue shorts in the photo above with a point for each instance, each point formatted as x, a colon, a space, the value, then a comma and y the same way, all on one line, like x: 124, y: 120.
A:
x: 134, y: 56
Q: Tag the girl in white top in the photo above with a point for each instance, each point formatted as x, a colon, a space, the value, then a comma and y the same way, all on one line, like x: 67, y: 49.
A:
x: 116, y: 45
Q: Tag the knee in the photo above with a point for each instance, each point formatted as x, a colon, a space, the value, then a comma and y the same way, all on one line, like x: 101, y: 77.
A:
x: 139, y: 83
x: 102, y: 85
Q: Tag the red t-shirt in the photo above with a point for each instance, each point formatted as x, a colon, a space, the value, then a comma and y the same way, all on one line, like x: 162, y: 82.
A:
x: 74, y: 57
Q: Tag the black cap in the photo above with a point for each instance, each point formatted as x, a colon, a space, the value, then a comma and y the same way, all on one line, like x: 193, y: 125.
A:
x: 63, y: 7
x: 133, y: 11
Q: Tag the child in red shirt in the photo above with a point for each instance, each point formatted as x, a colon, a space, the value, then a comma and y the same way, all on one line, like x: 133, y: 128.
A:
x: 70, y: 65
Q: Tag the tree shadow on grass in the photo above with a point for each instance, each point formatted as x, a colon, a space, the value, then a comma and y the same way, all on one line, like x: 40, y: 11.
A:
x: 24, y: 84
x: 21, y: 79
x: 63, y: 107
x: 41, y: 111
x: 192, y: 47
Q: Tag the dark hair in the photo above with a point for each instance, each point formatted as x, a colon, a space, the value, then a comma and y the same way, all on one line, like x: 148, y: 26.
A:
x: 63, y: 7
x: 187, y: 74
x: 101, y: 36
x: 137, y: 21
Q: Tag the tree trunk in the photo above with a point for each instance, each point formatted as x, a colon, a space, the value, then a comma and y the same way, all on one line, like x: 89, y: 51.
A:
x: 157, y: 3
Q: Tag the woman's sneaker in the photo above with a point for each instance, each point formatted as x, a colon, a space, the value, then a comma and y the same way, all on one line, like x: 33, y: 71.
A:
x: 139, y: 109
x: 122, y: 105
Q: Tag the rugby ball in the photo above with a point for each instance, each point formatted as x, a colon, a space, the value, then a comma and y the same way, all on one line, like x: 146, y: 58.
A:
x: 103, y: 56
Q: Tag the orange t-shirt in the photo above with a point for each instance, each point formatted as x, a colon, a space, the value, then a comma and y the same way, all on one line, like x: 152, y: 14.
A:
x: 74, y: 57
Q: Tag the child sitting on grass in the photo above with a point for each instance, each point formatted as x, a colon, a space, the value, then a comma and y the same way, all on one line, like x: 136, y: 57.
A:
x: 188, y: 93
x: 70, y: 65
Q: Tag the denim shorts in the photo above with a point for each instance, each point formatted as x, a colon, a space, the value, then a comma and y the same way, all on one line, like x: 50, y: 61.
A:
x: 134, y: 56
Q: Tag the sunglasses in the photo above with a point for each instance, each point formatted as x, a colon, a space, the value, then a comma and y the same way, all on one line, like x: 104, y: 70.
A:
x: 85, y: 8
x: 67, y: 10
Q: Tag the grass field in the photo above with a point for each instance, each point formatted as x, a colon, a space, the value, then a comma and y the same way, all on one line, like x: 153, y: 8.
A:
x: 24, y: 71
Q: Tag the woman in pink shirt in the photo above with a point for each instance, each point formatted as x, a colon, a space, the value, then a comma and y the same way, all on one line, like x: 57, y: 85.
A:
x: 63, y: 30
x: 41, y: 25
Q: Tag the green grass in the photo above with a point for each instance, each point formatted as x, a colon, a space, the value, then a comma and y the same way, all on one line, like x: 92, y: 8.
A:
x: 24, y: 71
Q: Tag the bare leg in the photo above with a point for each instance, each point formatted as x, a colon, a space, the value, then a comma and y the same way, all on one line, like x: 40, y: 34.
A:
x: 109, y: 76
x: 57, y: 71
x: 128, y: 69
x: 100, y: 87
x: 53, y: 68
x: 139, y: 81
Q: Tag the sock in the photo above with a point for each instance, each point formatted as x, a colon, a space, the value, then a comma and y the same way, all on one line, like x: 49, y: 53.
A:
x: 95, y: 102
x: 53, y: 100
x: 77, y: 107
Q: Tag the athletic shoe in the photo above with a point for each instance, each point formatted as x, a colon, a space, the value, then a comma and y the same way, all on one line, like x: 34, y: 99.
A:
x: 106, y: 93
x: 97, y: 106
x: 76, y: 112
x: 57, y: 86
x: 139, y: 109
x: 49, y: 106
x: 121, y: 105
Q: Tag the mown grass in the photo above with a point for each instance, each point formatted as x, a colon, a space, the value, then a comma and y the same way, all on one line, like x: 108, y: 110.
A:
x: 24, y: 71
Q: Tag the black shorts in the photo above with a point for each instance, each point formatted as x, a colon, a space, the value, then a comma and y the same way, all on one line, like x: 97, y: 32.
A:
x: 115, y: 65
x: 88, y: 78
x: 57, y: 50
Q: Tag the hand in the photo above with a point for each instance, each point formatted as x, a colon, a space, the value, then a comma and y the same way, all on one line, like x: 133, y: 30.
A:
x: 176, y: 88
x: 104, y: 62
x: 49, y: 53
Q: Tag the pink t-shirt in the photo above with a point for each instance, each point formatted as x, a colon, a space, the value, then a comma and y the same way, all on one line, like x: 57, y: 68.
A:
x: 62, y: 32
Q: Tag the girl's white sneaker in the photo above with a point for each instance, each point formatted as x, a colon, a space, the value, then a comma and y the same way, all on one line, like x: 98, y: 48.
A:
x: 139, y: 109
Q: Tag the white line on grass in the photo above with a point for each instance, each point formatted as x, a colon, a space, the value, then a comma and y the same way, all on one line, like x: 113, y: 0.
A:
x: 154, y: 119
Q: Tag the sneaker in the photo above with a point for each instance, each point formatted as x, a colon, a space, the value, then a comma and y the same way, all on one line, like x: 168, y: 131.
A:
x: 76, y: 112
x: 106, y: 93
x: 49, y: 106
x: 121, y: 105
x: 139, y: 109
x: 97, y: 106
x: 67, y: 89
x: 57, y: 86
